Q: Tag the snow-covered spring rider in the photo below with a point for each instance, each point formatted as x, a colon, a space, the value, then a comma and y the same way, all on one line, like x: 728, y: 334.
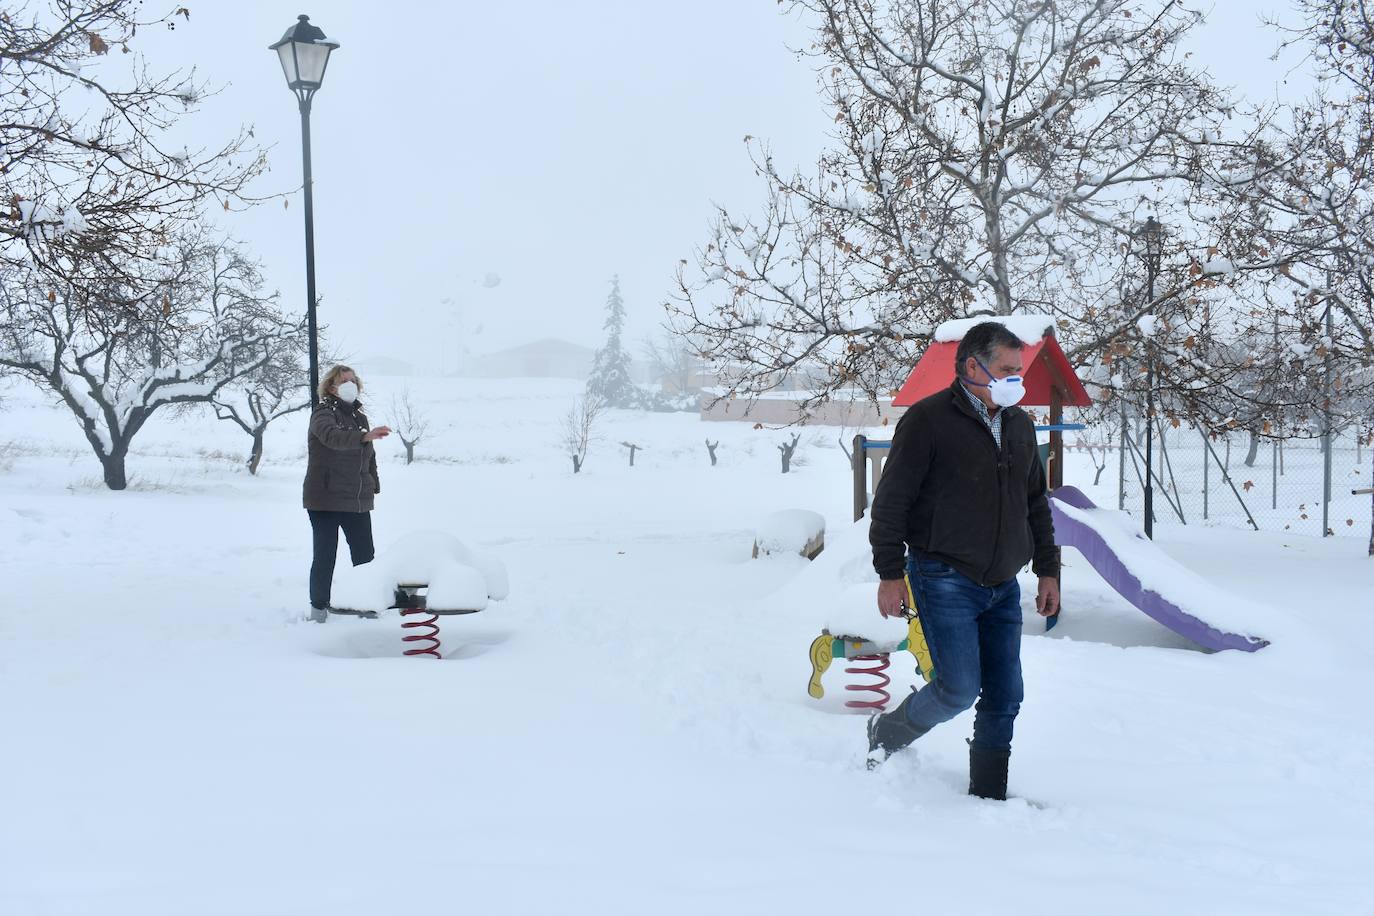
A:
x: 841, y: 638
x: 426, y: 574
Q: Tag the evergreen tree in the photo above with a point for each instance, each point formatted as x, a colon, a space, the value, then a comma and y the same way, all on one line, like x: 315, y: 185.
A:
x: 610, y: 379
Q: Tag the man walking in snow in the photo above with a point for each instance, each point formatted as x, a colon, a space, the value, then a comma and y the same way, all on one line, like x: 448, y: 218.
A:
x: 960, y: 508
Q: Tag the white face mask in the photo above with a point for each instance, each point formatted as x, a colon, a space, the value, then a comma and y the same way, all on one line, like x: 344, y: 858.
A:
x: 1005, y: 392
x: 348, y: 392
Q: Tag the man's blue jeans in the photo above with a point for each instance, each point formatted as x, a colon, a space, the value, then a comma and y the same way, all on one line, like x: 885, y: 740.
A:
x: 974, y: 635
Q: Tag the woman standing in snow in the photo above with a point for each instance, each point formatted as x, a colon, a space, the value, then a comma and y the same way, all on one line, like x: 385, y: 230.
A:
x: 340, y: 480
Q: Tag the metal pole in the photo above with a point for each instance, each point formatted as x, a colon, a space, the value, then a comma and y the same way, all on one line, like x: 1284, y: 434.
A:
x: 1226, y: 476
x: 1150, y: 408
x: 310, y: 254
x: 1326, y: 417
x: 1178, y: 508
x: 859, y: 465
x: 1167, y: 464
x: 1274, y: 503
x: 1206, y: 478
x: 1121, y: 464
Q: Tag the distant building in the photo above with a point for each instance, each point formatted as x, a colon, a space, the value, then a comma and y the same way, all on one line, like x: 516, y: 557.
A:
x: 548, y: 358
x: 851, y: 409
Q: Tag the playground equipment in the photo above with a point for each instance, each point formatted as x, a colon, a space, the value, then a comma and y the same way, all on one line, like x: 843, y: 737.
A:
x: 828, y: 646
x: 1120, y: 556
x: 425, y: 575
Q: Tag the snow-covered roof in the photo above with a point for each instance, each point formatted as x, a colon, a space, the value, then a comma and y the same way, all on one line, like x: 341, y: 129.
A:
x: 1029, y: 328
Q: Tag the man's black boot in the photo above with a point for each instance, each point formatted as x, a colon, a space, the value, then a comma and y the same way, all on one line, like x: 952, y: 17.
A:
x: 889, y: 732
x: 987, y: 772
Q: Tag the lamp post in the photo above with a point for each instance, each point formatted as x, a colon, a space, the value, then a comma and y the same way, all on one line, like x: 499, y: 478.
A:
x: 304, y: 53
x: 1152, y: 252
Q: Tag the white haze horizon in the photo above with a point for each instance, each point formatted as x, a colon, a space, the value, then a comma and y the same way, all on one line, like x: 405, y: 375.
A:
x: 480, y: 175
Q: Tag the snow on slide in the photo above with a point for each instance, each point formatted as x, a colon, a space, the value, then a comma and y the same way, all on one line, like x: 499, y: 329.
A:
x: 1147, y: 577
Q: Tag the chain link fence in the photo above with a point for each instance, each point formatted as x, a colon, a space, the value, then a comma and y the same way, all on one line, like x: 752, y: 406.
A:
x: 1269, y: 484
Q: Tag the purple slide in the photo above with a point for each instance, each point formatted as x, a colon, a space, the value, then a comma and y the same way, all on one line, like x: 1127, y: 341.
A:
x: 1089, y: 541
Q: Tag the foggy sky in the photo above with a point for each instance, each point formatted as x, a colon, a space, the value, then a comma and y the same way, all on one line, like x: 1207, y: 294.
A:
x: 550, y: 144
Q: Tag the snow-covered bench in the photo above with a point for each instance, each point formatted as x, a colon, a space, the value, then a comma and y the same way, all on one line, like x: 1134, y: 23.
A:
x: 798, y: 531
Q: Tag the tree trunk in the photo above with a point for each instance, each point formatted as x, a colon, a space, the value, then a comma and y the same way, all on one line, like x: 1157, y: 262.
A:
x: 577, y: 464
x: 410, y: 448
x: 711, y: 447
x: 255, y: 456
x: 1254, y: 449
x: 1098, y: 475
x: 787, y: 451
x: 113, y: 466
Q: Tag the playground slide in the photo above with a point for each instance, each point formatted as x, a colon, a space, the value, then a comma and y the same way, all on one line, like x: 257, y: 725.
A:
x: 1080, y: 526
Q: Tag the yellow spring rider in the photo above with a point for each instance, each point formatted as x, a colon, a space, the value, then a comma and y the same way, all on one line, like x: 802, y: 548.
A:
x: 829, y: 646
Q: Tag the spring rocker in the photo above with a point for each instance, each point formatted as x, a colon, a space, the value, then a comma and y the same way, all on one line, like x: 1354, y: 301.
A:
x: 425, y: 575
x: 856, y: 648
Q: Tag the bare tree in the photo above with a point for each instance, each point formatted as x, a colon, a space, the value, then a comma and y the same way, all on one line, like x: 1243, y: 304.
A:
x: 578, y: 428
x: 253, y: 400
x: 711, y: 450
x: 96, y: 183
x: 991, y: 154
x: 670, y: 360
x: 1269, y: 324
x: 111, y: 368
x: 409, y: 422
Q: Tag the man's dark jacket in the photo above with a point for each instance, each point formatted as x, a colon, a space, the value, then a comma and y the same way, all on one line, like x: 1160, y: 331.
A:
x: 341, y: 469
x: 948, y: 493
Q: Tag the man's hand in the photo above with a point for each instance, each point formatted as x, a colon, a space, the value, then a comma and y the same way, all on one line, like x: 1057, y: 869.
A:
x: 377, y: 432
x: 891, y: 597
x: 1047, y: 597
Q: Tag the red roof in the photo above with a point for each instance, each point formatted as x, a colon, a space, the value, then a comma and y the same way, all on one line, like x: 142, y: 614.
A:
x: 1046, y: 367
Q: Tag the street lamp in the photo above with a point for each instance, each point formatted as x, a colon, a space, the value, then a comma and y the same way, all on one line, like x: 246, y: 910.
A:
x: 1152, y: 252
x: 304, y: 53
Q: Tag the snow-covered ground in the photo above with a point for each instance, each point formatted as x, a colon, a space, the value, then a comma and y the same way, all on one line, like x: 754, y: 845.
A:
x: 629, y: 732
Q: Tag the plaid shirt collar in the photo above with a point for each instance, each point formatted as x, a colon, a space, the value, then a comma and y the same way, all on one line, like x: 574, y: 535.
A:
x: 993, y: 421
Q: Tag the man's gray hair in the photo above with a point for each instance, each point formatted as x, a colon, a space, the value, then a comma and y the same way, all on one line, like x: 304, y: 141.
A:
x: 981, y: 341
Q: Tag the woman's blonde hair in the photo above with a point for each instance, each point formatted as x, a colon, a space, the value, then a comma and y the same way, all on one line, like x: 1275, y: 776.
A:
x: 331, y: 378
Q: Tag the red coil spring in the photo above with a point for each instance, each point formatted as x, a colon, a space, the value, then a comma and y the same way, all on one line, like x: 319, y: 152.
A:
x: 877, y: 687
x: 432, y: 625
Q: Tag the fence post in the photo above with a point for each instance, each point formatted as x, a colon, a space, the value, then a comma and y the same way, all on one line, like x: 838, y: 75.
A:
x: 859, y: 461
x: 1226, y: 476
x: 1155, y: 476
x: 1121, y: 464
x: 1206, y: 477
x: 1275, y: 488
x: 1168, y: 462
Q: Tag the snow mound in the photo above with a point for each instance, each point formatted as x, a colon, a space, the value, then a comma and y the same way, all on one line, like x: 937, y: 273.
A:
x: 362, y: 588
x: 1030, y: 328
x: 838, y: 591
x: 854, y: 613
x: 459, y: 577
x: 789, y: 531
